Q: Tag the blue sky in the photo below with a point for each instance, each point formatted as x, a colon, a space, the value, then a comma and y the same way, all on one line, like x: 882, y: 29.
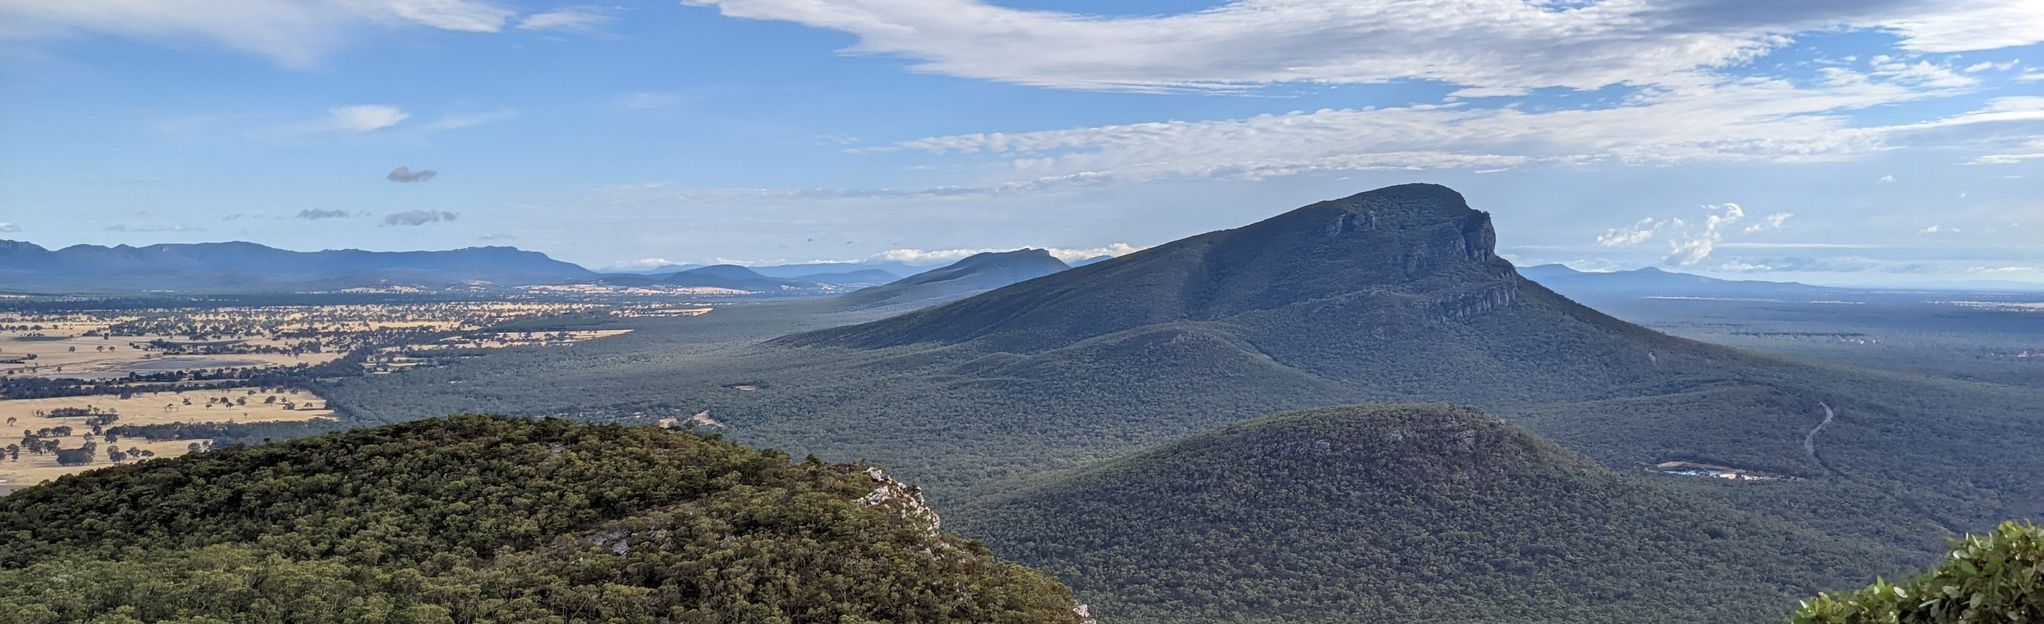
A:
x: 1881, y: 142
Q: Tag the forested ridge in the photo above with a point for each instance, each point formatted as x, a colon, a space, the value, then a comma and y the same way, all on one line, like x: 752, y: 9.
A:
x: 483, y: 519
x: 1408, y: 513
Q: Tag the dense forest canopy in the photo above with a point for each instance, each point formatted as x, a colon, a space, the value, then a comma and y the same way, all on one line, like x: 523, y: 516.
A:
x: 1409, y: 513
x: 474, y: 519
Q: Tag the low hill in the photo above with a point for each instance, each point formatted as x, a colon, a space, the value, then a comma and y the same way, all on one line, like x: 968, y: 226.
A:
x: 1404, y: 513
x: 249, y: 267
x: 1654, y: 282
x: 733, y: 277
x: 973, y: 275
x: 484, y: 519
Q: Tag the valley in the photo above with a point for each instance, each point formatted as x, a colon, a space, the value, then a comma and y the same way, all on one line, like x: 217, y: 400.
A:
x: 1040, y: 406
x: 978, y: 399
x: 1021, y: 312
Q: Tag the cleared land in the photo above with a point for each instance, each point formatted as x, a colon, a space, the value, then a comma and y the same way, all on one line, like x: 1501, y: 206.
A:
x: 234, y: 405
x: 97, y: 357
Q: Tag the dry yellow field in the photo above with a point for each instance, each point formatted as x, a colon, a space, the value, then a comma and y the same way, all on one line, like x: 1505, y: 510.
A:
x: 71, y: 355
x: 140, y: 409
x: 149, y: 408
x: 33, y: 469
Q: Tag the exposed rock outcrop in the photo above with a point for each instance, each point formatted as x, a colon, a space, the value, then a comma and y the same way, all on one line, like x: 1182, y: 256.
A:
x: 905, y: 498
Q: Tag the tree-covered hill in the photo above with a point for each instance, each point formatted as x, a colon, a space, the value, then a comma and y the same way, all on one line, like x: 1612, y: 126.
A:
x: 480, y: 519
x: 1406, y: 513
x: 969, y: 276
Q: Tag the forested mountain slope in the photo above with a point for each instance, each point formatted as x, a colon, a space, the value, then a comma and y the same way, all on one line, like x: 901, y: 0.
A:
x: 973, y: 275
x: 249, y: 267
x: 485, y: 519
x: 1406, y: 513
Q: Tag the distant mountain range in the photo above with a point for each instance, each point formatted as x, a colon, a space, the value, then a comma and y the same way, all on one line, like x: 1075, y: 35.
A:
x: 238, y: 267
x: 244, y: 267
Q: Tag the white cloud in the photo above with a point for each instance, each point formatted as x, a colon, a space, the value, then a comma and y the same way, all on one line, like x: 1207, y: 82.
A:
x: 295, y: 33
x: 1494, y: 47
x: 1933, y: 26
x: 1770, y: 222
x: 1920, y: 73
x: 1988, y: 65
x: 1939, y: 229
x: 469, y: 120
x: 122, y: 227
x: 2005, y: 159
x: 642, y: 264
x: 567, y: 20
x: 9, y: 227
x: 1886, y: 179
x: 1735, y: 120
x: 1638, y: 233
x: 458, y: 15
x: 364, y: 118
x: 1689, y: 243
x: 2032, y: 150
x: 1696, y: 246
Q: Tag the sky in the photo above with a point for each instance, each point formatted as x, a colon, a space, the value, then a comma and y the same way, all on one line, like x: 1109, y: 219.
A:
x: 1874, y: 142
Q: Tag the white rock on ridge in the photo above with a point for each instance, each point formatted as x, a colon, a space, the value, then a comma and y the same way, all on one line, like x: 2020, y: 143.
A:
x: 908, y: 499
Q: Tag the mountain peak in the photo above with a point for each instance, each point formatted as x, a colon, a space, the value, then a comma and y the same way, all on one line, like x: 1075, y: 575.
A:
x: 1404, y: 207
x: 1415, y: 251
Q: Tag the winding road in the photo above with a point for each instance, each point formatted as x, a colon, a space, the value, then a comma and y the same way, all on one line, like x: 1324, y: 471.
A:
x: 1810, y: 439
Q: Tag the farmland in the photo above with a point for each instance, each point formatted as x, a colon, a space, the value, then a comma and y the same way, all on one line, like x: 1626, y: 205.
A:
x: 88, y: 383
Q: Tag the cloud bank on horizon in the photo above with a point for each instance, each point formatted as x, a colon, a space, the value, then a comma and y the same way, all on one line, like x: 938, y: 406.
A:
x: 1869, y: 142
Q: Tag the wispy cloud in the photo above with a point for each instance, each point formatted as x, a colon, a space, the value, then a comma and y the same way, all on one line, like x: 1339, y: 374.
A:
x: 566, y: 20
x: 1770, y: 222
x: 1489, y: 46
x: 122, y: 227
x: 458, y: 121
x: 9, y: 228
x: 317, y: 214
x: 292, y: 32
x: 648, y: 101
x: 418, y: 217
x: 1736, y: 120
x: 363, y: 118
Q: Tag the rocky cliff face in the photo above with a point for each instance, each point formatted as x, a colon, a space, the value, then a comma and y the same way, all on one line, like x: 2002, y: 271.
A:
x: 904, y: 498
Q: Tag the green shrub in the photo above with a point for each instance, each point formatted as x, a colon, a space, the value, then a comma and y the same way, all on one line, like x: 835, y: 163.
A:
x: 1998, y: 577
